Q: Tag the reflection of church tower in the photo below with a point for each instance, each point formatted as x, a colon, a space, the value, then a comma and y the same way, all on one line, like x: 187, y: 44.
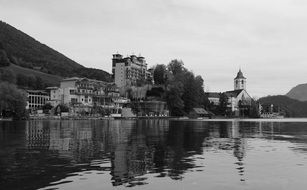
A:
x: 240, y: 81
x: 239, y: 150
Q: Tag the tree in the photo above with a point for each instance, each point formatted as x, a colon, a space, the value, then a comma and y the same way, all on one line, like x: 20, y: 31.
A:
x: 174, y: 101
x: 61, y: 108
x: 39, y: 84
x: 22, y: 80
x: 4, y: 60
x: 223, y: 104
x: 176, y: 67
x: 7, y: 75
x: 12, y: 100
x: 160, y: 74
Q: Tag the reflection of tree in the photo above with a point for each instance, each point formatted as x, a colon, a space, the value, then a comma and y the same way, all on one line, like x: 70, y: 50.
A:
x: 53, y: 150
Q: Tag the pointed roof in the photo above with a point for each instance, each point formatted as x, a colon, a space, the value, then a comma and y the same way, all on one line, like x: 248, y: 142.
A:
x: 240, y: 75
x: 233, y: 93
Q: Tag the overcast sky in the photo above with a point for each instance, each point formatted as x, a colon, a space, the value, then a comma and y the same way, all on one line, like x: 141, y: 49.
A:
x: 214, y: 38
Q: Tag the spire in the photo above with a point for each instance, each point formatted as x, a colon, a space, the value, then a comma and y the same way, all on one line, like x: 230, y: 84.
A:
x: 240, y: 75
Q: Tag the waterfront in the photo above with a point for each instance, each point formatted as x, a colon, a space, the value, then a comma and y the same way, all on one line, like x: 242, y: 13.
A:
x: 153, y: 154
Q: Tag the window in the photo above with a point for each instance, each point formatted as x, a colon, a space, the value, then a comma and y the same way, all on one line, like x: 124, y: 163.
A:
x: 73, y: 100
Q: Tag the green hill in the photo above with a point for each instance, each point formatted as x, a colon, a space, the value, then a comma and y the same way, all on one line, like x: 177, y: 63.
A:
x: 25, y: 51
x: 51, y: 80
x: 293, y: 108
x: 298, y: 93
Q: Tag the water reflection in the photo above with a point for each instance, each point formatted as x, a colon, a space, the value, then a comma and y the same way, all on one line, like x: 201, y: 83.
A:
x: 53, y: 151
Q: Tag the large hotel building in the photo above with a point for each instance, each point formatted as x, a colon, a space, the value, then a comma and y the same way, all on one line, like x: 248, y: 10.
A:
x: 127, y: 71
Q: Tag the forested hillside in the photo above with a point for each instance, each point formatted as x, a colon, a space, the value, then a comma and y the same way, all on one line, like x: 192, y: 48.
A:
x: 293, y: 108
x: 21, y: 49
x: 298, y: 93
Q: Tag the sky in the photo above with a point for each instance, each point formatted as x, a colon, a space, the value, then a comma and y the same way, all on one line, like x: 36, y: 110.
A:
x: 267, y: 39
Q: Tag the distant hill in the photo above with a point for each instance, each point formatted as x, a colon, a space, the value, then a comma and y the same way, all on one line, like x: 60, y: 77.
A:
x: 292, y: 107
x: 298, y: 93
x: 25, y: 51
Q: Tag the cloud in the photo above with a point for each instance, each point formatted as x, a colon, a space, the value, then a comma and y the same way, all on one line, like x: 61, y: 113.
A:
x: 214, y: 38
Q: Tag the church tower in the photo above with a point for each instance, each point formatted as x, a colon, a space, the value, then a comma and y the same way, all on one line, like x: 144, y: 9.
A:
x: 240, y: 81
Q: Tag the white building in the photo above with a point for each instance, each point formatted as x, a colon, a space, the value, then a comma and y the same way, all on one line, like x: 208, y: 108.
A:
x: 238, y: 99
x: 36, y: 99
x: 56, y: 96
x: 130, y: 70
x: 240, y: 81
x: 82, y: 94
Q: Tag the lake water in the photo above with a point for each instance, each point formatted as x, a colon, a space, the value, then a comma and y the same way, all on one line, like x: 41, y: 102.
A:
x: 153, y: 154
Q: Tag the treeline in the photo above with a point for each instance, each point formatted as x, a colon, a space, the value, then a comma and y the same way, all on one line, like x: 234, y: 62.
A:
x: 291, y: 107
x: 180, y: 88
x: 23, y: 81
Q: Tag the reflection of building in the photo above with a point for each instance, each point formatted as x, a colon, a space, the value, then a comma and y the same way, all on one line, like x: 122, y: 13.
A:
x: 150, y: 108
x: 239, y: 141
x: 37, y: 136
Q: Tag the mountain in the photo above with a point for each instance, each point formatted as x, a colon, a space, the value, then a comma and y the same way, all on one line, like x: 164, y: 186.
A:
x: 292, y: 107
x: 298, y: 93
x: 24, y: 51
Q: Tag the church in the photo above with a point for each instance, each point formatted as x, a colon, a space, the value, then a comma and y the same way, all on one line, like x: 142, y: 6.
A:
x: 239, y: 101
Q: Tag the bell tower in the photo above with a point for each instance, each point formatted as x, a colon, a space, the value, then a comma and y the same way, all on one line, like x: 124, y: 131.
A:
x: 240, y: 81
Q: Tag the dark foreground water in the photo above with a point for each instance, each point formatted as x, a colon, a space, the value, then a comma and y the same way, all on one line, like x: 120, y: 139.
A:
x: 153, y: 154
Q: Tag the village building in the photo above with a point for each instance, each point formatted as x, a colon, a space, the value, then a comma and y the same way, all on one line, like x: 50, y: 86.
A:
x: 56, y: 95
x: 36, y: 99
x: 199, y: 113
x: 214, y: 97
x: 129, y: 71
x: 83, y: 94
x: 239, y: 101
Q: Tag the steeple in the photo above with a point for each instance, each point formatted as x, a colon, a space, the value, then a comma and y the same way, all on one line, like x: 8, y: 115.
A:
x: 240, y: 81
x: 240, y: 75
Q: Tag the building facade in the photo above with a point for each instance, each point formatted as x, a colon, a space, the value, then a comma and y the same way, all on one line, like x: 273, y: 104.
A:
x: 240, y: 81
x: 129, y: 71
x: 84, y: 95
x: 239, y: 101
x: 36, y: 99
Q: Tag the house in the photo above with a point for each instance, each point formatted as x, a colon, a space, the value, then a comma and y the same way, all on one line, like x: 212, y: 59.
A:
x: 214, y: 97
x: 199, y: 113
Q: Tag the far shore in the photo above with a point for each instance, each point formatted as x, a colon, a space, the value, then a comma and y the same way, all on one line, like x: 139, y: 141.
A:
x: 171, y: 119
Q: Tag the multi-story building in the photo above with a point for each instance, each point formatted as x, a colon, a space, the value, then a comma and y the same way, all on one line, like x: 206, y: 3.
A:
x: 85, y: 94
x: 36, y: 99
x: 56, y: 96
x: 128, y: 71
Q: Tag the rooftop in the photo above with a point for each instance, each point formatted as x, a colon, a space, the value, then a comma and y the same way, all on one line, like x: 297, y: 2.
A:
x: 233, y: 93
x: 240, y: 75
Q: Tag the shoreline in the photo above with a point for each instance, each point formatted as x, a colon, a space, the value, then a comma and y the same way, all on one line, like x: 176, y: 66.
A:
x: 287, y: 120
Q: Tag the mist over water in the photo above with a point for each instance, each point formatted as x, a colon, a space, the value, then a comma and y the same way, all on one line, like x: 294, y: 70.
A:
x: 153, y: 154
